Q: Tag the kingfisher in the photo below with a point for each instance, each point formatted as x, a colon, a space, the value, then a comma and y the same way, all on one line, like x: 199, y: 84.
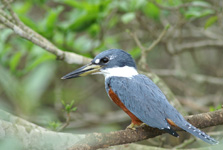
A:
x: 136, y: 94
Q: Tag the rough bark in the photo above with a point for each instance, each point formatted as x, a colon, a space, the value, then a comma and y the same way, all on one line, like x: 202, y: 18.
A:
x: 101, y: 140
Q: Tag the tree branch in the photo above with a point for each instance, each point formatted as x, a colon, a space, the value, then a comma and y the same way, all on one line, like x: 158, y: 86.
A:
x: 101, y: 140
x: 30, y: 136
x: 195, y: 77
x: 199, y: 44
x: 13, y: 22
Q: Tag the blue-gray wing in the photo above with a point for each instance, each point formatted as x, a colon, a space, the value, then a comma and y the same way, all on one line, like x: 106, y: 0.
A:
x: 144, y: 99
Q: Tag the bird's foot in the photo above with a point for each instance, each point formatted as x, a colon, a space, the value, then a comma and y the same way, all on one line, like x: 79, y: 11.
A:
x: 143, y: 125
x: 133, y: 126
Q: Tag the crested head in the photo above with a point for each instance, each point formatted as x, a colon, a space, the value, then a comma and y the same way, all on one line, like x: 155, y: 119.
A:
x: 114, y: 58
x: 115, y: 62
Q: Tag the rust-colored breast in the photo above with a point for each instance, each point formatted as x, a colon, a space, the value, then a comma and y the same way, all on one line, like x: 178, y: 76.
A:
x: 118, y: 102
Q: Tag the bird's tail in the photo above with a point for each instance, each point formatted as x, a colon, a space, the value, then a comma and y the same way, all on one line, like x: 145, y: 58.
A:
x: 198, y: 133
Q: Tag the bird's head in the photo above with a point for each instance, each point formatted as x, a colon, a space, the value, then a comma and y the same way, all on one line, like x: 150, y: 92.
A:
x: 112, y: 62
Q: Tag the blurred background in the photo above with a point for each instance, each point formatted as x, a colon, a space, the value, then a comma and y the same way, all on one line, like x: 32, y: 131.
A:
x: 189, y: 58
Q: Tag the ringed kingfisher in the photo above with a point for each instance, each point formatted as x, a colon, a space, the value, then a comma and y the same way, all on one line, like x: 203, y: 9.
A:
x: 136, y: 94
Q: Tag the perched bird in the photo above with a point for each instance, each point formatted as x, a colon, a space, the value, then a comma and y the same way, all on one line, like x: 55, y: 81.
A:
x: 136, y: 94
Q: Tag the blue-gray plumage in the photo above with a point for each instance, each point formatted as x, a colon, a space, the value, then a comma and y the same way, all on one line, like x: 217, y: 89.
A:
x: 145, y: 100
x: 136, y: 94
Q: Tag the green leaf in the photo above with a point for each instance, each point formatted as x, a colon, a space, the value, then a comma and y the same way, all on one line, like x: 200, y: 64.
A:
x: 51, y: 20
x: 62, y: 101
x: 38, y: 61
x: 210, y: 21
x: 200, y: 3
x: 86, y: 14
x: 131, y: 5
x: 167, y: 26
x: 94, y: 29
x: 198, y: 13
x: 72, y: 103
x: 53, y: 125
x: 73, y: 3
x: 136, y: 52
x: 212, y: 108
x: 169, y: 2
x: 67, y: 108
x: 74, y: 109
x: 126, y: 18
x: 219, y: 107
x: 152, y: 11
x: 15, y: 61
x: 36, y: 53
x: 139, y: 3
x: 83, y: 21
x: 29, y: 22
x: 198, y: 9
x: 23, y: 8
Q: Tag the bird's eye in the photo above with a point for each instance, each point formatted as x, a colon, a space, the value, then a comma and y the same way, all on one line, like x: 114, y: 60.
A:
x: 104, y: 60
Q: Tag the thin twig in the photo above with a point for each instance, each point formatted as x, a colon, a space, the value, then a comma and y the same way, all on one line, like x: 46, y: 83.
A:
x: 136, y: 39
x: 66, y: 123
x: 14, y: 16
x: 162, y: 34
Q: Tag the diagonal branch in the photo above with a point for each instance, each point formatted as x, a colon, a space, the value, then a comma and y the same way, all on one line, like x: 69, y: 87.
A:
x: 101, y: 140
x: 13, y: 22
x: 199, y: 78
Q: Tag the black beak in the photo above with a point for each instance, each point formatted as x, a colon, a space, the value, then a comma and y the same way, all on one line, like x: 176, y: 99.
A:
x: 83, y: 71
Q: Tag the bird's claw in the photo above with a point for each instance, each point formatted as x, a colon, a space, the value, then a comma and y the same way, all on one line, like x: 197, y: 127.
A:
x: 133, y: 126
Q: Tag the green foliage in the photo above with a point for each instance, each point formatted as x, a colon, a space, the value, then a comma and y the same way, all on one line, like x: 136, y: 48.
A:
x: 152, y: 11
x: 50, y: 21
x: 198, y: 10
x: 212, y: 108
x: 171, y: 3
x: 15, y: 61
x: 53, y: 125
x: 68, y: 108
x: 130, y: 5
x: 86, y: 14
x: 210, y: 21
x: 135, y: 52
x: 126, y: 18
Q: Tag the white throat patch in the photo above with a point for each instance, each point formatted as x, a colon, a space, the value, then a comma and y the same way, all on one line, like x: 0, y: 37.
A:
x: 119, y: 72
